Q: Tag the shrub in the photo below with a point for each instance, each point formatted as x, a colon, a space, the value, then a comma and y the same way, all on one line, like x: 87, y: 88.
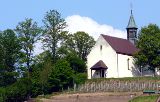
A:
x: 19, y: 91
x: 80, y: 78
x: 2, y: 94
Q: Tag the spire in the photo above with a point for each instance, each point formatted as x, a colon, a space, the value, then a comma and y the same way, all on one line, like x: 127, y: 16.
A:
x: 131, y: 23
x: 132, y: 29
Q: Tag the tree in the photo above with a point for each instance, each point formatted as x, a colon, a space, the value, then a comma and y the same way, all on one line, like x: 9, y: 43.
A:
x: 79, y: 42
x: 76, y: 63
x: 54, y: 25
x: 83, y: 44
x: 78, y: 66
x: 41, y: 71
x: 28, y: 33
x: 61, y: 76
x: 9, y: 56
x: 19, y: 91
x: 149, y: 45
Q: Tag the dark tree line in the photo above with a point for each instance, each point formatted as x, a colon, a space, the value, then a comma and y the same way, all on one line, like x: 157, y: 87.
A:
x: 61, y: 65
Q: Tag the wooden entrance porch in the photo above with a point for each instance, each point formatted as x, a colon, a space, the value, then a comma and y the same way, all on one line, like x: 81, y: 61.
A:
x: 99, y: 70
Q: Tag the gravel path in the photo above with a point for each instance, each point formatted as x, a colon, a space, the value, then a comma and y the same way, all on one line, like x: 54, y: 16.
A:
x: 93, y: 97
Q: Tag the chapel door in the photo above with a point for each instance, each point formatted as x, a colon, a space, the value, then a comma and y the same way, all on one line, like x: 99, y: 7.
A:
x: 103, y: 74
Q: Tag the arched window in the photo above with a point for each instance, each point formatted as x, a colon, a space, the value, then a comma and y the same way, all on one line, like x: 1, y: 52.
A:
x: 128, y: 63
x: 101, y: 47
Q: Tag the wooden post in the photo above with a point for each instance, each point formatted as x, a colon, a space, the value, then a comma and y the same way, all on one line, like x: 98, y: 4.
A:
x: 91, y: 73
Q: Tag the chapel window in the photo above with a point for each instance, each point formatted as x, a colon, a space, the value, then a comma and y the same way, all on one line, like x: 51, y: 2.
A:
x: 128, y: 63
x: 100, y: 47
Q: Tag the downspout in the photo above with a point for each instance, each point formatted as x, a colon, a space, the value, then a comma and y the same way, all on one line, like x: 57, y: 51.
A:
x: 117, y: 67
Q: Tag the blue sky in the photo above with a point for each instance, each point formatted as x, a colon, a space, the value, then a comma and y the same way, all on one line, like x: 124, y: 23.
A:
x: 111, y: 12
x: 95, y: 17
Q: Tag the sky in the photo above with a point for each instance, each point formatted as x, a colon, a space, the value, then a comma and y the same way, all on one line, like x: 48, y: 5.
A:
x: 92, y: 16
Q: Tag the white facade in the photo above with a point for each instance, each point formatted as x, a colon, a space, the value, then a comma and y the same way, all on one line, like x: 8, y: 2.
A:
x: 119, y: 65
x: 126, y: 66
x: 115, y: 54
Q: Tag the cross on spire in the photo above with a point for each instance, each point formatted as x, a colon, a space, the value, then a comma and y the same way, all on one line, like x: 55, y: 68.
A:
x: 131, y: 23
x: 131, y: 6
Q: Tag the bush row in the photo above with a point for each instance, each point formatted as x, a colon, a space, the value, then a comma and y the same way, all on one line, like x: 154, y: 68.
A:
x: 17, y: 92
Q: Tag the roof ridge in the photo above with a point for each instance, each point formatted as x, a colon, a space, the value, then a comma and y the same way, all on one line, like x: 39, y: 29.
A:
x: 114, y: 37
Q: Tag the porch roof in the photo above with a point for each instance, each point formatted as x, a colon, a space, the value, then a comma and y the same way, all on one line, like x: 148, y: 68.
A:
x: 99, y: 65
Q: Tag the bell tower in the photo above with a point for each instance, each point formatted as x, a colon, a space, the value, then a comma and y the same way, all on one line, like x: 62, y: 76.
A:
x: 132, y: 29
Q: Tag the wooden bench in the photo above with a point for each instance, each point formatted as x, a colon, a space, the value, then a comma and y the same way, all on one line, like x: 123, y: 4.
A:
x: 149, y: 92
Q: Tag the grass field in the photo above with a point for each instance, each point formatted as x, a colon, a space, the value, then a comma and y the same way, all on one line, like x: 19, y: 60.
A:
x: 151, y: 98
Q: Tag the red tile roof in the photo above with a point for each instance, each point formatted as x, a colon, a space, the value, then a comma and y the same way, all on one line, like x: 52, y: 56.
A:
x: 121, y: 46
x: 99, y: 65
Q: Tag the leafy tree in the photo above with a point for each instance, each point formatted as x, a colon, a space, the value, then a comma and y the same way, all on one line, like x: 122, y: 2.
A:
x: 83, y: 44
x: 46, y: 71
x: 149, y: 45
x: 80, y: 78
x: 77, y: 64
x: 41, y: 71
x: 2, y: 94
x: 19, y: 91
x: 61, y: 76
x: 9, y: 56
x: 80, y: 42
x: 35, y: 78
x: 54, y: 25
x: 29, y: 33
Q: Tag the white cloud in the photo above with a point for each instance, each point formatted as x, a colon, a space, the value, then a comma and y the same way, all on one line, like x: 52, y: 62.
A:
x: 78, y: 23
x: 38, y: 48
x: 88, y: 25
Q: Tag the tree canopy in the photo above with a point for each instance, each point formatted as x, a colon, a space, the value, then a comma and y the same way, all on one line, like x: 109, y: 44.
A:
x: 9, y: 56
x: 149, y: 47
x: 62, y: 63
x: 53, y: 26
x: 28, y: 33
x: 79, y: 43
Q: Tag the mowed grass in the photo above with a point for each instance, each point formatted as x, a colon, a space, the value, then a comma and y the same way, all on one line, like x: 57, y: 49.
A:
x: 151, y: 98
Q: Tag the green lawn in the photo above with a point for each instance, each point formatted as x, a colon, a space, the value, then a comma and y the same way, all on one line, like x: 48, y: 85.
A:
x: 151, y: 98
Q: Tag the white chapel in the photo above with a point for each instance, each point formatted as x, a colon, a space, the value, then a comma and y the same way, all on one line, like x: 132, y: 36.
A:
x: 112, y: 57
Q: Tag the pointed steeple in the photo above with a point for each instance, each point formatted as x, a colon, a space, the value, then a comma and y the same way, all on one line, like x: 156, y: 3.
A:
x: 131, y: 23
x: 132, y: 29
